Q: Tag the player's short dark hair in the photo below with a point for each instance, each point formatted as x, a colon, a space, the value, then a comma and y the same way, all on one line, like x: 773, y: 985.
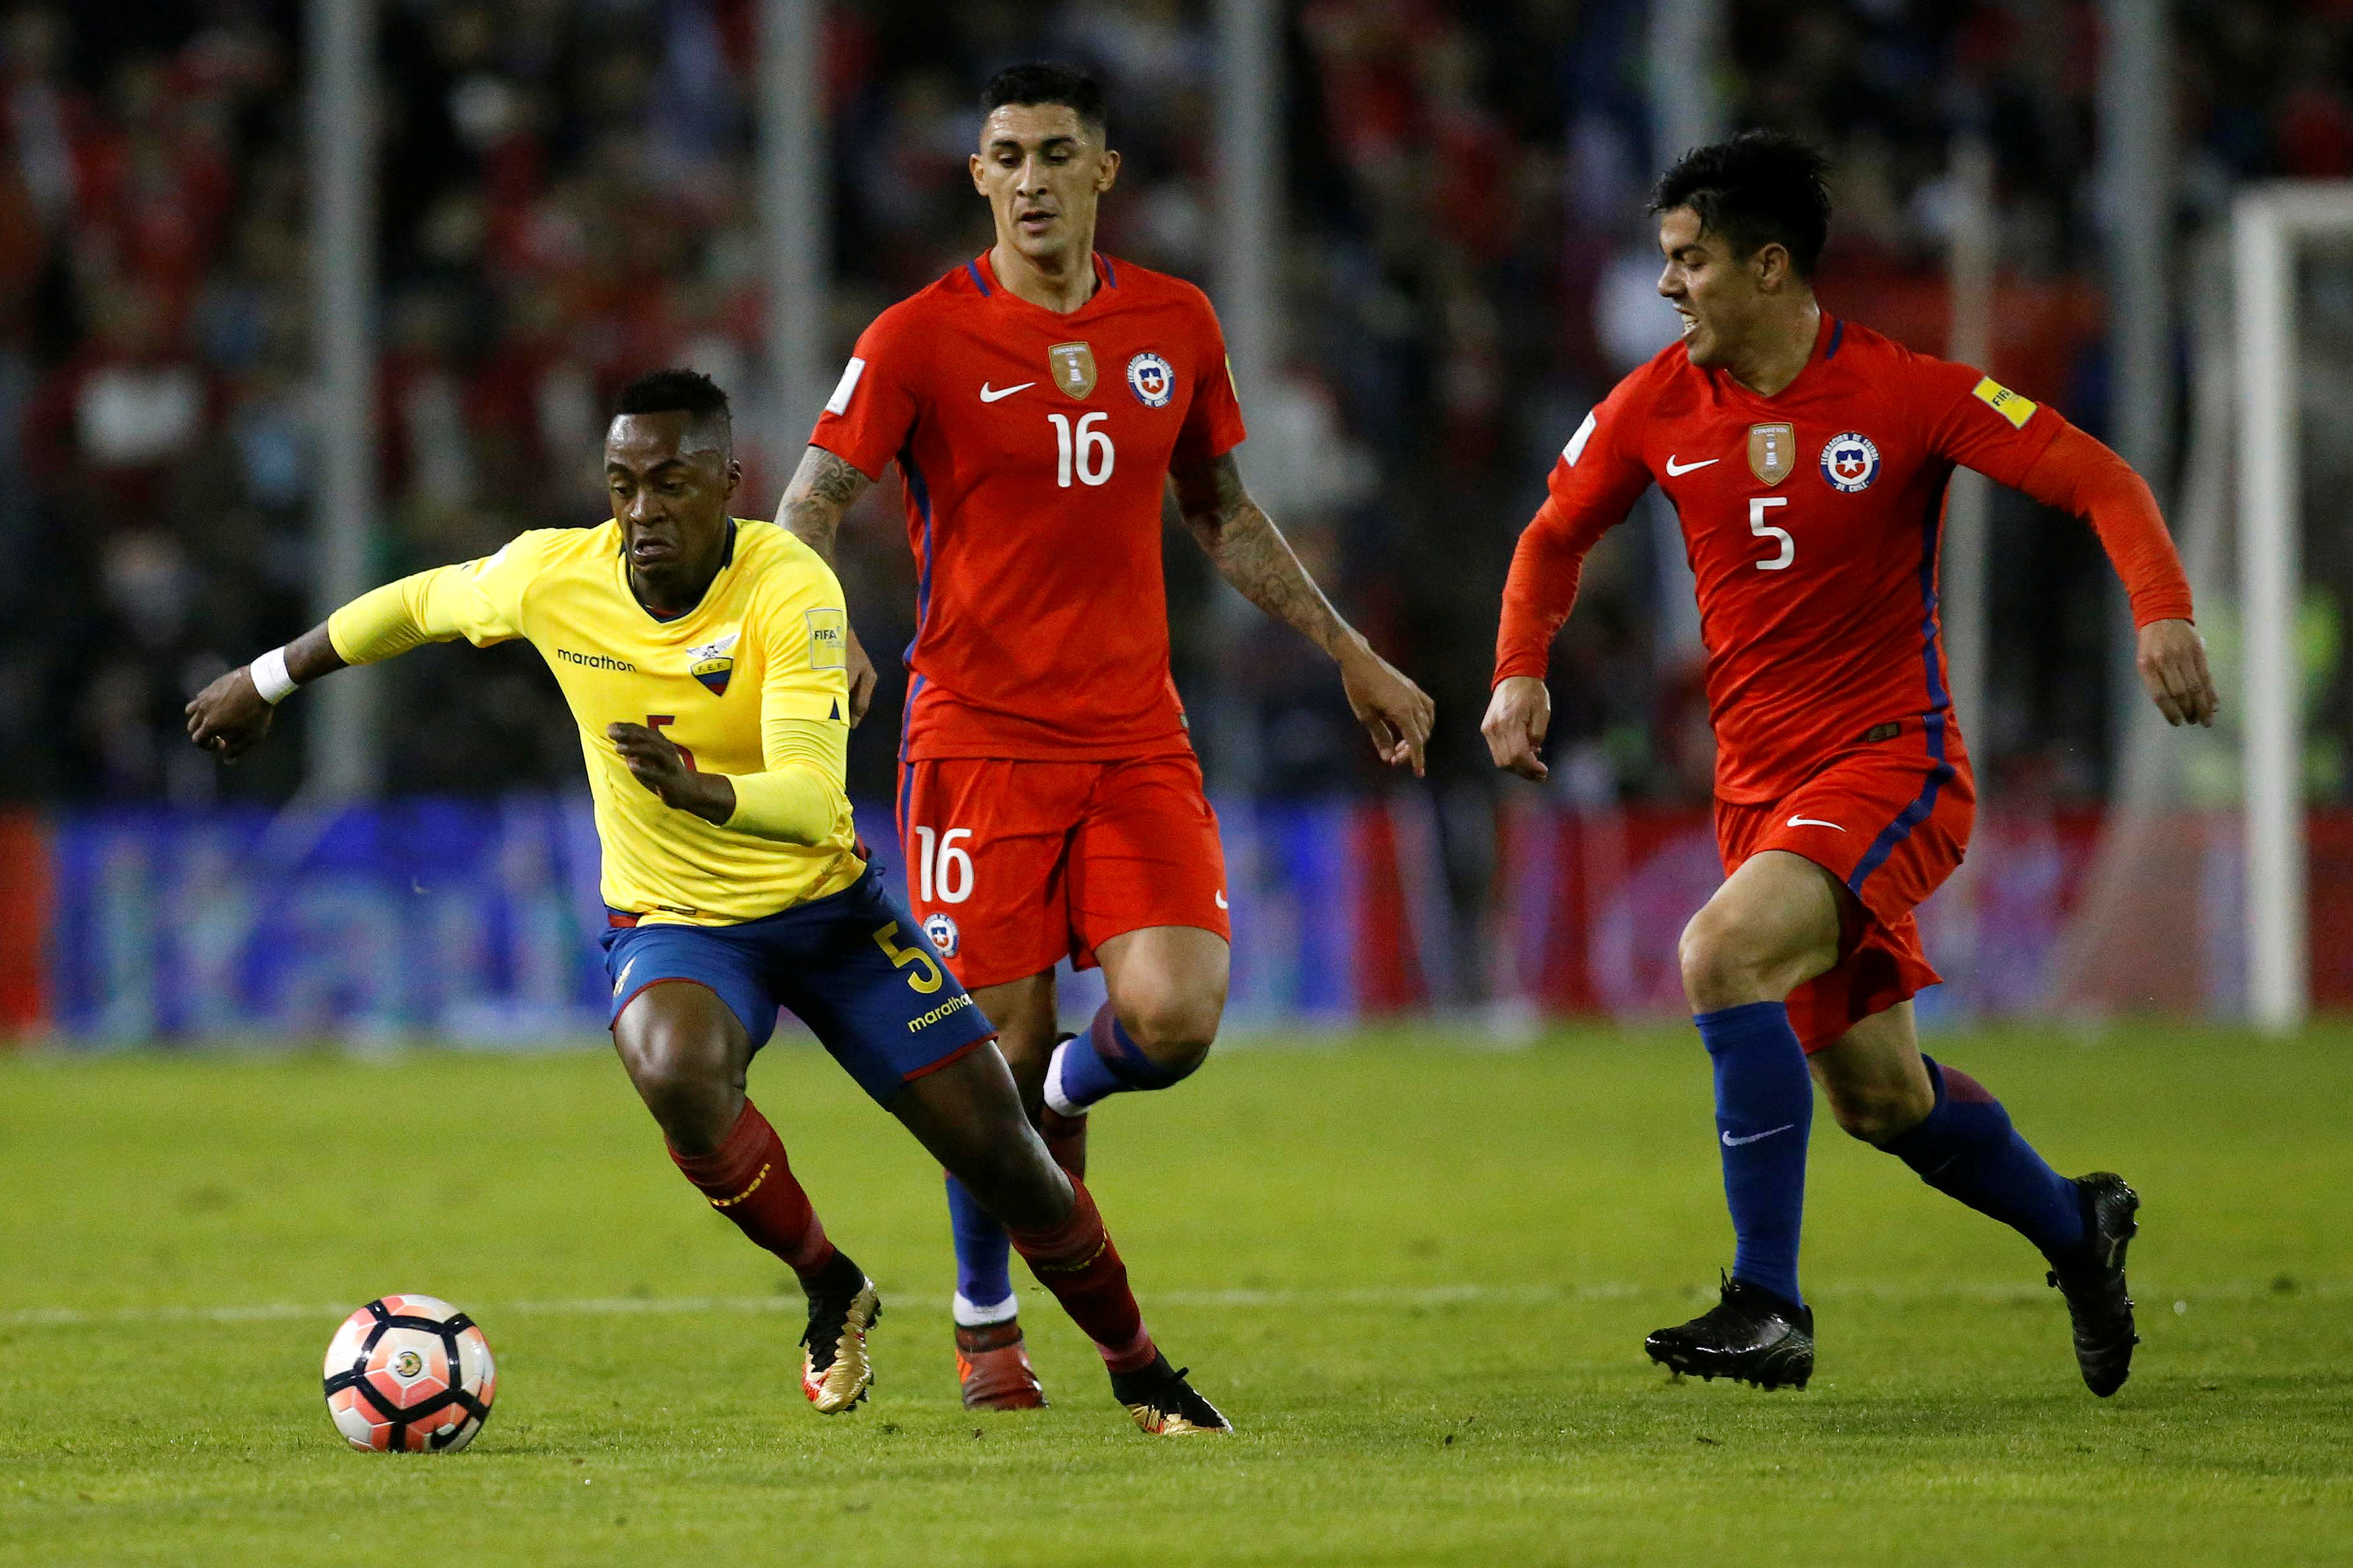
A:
x: 1042, y: 82
x: 1760, y: 188
x: 679, y: 391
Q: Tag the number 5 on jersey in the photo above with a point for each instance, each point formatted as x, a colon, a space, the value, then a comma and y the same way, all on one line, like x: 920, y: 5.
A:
x: 1085, y: 450
x: 1758, y: 506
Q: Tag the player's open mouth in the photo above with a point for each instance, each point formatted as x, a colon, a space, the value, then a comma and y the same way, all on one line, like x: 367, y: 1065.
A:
x: 1034, y: 222
x: 1691, y: 322
x: 646, y: 550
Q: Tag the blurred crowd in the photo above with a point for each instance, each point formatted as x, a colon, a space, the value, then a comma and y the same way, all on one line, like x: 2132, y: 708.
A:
x: 568, y: 199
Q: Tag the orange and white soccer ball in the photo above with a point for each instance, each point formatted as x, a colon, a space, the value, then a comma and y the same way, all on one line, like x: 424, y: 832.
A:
x: 409, y: 1375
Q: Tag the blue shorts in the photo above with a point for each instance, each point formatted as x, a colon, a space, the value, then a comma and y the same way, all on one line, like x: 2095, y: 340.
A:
x: 854, y: 967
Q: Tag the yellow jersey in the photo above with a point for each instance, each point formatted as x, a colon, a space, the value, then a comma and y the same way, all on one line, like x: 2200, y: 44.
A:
x: 761, y: 657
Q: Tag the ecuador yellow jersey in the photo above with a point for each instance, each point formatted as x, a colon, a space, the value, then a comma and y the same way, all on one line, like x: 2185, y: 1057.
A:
x: 765, y: 646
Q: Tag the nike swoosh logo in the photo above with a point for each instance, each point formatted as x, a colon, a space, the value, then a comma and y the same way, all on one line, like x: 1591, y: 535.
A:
x: 1676, y: 471
x: 987, y: 395
x: 1814, y: 822
x: 1732, y: 1143
x: 1221, y: 899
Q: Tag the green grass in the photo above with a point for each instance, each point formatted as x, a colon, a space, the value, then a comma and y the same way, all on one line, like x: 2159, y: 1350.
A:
x: 1416, y: 1276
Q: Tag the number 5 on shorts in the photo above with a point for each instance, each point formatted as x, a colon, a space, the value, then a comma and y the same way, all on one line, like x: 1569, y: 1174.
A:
x: 927, y: 977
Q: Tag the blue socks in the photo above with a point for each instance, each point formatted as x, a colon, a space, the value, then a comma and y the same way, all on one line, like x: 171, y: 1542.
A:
x: 984, y: 1258
x: 1966, y: 1149
x: 1763, y: 1111
x: 1101, y: 1062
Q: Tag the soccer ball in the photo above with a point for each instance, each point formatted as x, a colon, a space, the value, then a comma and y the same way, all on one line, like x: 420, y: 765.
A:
x: 409, y: 1375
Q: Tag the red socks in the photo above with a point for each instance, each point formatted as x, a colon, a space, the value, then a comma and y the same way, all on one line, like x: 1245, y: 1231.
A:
x: 1066, y: 1139
x: 747, y: 1180
x: 1077, y: 1262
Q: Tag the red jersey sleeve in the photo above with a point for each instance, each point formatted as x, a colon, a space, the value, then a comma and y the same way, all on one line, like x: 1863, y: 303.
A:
x: 1596, y: 480
x: 1977, y: 421
x: 872, y: 408
x: 2081, y: 477
x: 2012, y: 440
x: 1213, y: 419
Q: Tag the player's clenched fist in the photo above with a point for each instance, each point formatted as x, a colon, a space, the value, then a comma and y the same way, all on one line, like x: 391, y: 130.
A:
x: 229, y: 716
x: 1518, y: 714
x: 2173, y: 660
x: 662, y: 768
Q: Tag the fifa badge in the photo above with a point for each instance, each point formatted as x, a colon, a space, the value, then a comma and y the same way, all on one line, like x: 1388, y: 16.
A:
x: 1850, y: 462
x: 714, y: 664
x: 829, y: 646
x: 1074, y: 365
x: 941, y: 930
x: 1772, y: 451
x: 1151, y: 380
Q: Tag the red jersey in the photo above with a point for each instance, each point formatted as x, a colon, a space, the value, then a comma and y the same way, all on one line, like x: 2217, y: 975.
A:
x: 1811, y: 518
x: 1035, y: 450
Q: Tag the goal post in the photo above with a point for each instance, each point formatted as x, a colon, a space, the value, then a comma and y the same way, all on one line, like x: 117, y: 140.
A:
x: 2271, y: 226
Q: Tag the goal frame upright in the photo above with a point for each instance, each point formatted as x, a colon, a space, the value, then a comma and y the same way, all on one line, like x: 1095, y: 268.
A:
x: 2270, y: 224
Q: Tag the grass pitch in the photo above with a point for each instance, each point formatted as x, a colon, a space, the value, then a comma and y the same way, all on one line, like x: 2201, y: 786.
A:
x: 1417, y: 1277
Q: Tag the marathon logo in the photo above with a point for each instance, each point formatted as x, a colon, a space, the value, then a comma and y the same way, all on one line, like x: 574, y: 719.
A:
x: 597, y: 661
x: 938, y: 1013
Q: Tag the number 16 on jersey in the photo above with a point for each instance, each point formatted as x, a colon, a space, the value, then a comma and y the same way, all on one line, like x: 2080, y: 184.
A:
x: 1087, y: 444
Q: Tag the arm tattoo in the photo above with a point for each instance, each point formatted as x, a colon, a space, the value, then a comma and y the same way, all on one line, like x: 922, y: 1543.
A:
x: 822, y: 488
x: 1250, y: 552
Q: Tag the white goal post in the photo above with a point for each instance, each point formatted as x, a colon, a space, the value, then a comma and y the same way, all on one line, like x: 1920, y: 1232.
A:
x: 2270, y: 223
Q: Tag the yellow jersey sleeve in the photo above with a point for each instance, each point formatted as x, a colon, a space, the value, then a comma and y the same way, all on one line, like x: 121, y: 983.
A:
x: 796, y: 797
x: 800, y: 796
x: 479, y: 600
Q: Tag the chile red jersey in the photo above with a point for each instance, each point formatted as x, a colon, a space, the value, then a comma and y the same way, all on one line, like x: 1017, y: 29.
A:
x: 1035, y: 450
x: 1811, y: 518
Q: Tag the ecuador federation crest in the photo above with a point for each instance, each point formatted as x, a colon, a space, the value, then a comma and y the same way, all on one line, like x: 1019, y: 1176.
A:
x: 714, y: 664
x: 1772, y: 451
x: 1074, y: 365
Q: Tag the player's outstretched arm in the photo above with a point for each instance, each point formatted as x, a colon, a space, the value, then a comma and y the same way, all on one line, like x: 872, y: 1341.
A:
x: 2078, y: 475
x: 1250, y: 552
x: 231, y: 715
x: 822, y: 488
x: 478, y: 600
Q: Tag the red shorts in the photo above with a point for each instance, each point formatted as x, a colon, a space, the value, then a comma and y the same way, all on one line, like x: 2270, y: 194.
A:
x: 1891, y: 825
x: 1013, y: 865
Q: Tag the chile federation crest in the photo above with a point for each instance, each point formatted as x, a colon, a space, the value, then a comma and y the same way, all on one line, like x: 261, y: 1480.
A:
x: 1850, y: 462
x: 1152, y: 379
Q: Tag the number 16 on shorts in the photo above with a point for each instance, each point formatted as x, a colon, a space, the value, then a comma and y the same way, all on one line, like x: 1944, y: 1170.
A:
x: 944, y: 868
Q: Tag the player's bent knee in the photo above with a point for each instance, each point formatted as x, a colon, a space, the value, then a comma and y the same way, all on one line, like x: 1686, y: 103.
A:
x: 686, y: 1078
x: 1174, y: 1029
x: 1719, y: 962
x: 1874, y: 1115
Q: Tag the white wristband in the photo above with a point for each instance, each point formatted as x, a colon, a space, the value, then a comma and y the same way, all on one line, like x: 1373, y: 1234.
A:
x: 270, y: 677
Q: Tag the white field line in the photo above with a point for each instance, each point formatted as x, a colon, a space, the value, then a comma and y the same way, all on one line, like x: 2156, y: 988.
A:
x: 1395, y: 1296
